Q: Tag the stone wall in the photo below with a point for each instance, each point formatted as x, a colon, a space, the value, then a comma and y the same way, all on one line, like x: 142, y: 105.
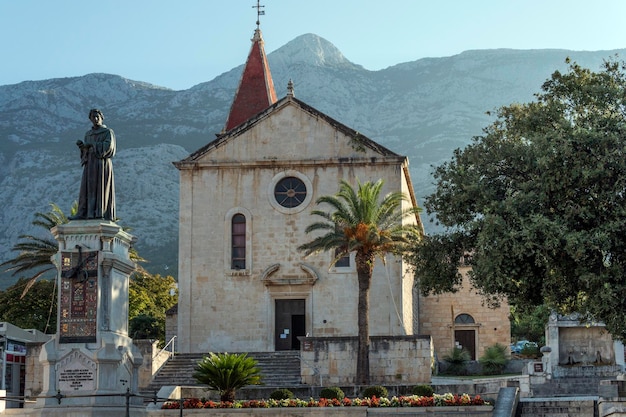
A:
x: 395, y: 360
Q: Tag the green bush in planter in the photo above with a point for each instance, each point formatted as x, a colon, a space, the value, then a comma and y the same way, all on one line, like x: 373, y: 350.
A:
x: 457, y: 360
x: 423, y: 390
x: 494, y: 359
x: 227, y: 372
x: 332, y: 392
x: 281, y: 394
x: 377, y: 391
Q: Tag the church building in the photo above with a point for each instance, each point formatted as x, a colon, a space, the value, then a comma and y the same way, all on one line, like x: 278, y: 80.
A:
x: 245, y: 202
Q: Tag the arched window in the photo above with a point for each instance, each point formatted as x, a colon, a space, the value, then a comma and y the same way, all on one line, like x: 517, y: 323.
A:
x: 464, y: 319
x: 238, y: 239
x: 343, y: 262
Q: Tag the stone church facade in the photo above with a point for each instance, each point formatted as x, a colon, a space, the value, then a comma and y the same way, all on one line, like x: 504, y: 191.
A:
x: 245, y: 202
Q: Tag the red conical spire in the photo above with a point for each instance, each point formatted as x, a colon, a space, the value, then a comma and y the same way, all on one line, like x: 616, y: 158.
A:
x: 256, y: 88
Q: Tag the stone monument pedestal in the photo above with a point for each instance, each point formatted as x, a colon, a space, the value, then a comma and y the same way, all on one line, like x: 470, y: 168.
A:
x: 91, y: 363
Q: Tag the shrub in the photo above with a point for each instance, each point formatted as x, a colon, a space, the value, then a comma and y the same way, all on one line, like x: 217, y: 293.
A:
x: 227, y: 372
x: 281, y: 394
x: 494, y: 359
x: 332, y: 393
x: 377, y: 391
x: 457, y: 360
x: 530, y: 351
x: 423, y: 390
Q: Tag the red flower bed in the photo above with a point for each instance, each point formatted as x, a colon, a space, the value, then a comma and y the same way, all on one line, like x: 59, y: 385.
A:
x: 403, y: 401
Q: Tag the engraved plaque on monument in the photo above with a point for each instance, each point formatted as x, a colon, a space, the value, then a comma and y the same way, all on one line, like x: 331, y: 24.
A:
x: 76, y: 372
x: 79, y: 297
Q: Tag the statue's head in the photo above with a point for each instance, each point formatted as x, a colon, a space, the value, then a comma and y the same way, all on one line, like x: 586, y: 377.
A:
x: 95, y: 111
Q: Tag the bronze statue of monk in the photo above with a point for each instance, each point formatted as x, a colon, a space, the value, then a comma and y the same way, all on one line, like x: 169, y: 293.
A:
x: 97, y: 188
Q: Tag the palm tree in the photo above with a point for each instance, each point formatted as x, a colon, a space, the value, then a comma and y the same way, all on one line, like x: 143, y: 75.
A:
x: 227, y: 372
x: 360, y: 223
x: 35, y: 253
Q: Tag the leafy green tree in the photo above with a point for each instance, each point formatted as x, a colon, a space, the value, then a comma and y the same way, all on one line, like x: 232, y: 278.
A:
x: 529, y: 323
x: 360, y: 223
x: 150, y: 296
x: 37, y: 309
x: 227, y: 372
x: 538, y: 202
x: 144, y: 326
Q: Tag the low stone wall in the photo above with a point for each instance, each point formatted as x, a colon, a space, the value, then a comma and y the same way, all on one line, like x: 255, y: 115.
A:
x: 474, y: 411
x: 582, y: 371
x: 394, y: 360
x: 153, y: 360
x: 546, y: 407
x: 487, y: 388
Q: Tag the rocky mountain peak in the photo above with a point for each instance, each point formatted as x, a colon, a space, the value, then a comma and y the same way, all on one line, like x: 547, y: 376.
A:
x: 313, y: 50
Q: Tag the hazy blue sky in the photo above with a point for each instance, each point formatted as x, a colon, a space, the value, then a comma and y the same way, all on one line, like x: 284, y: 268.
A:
x: 178, y: 44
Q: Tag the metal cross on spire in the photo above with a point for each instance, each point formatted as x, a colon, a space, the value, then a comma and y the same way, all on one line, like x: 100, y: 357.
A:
x: 259, y: 12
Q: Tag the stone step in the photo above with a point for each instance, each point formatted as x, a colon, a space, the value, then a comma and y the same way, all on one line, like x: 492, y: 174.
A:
x: 279, y: 369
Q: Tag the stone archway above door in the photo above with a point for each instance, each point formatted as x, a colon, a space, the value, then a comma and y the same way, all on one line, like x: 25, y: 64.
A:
x: 270, y: 278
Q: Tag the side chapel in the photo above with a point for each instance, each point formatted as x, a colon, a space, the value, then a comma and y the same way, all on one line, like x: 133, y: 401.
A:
x: 245, y: 201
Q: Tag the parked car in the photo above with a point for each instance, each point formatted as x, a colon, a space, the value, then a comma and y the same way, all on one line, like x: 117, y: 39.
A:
x: 518, y: 346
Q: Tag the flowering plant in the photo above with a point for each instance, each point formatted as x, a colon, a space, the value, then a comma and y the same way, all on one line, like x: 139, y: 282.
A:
x: 437, y: 400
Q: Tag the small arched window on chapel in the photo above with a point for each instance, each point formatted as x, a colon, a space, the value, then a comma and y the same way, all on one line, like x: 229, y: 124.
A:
x: 464, y: 319
x: 238, y: 239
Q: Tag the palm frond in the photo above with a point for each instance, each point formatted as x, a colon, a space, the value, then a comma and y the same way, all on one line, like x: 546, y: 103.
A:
x: 359, y: 220
x: 31, y: 281
x: 35, y: 253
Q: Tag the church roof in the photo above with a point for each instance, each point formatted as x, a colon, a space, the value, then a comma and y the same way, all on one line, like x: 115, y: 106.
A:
x: 256, y: 87
x: 359, y: 140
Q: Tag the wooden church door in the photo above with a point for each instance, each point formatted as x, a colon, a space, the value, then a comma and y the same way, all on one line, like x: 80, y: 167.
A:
x: 466, y: 339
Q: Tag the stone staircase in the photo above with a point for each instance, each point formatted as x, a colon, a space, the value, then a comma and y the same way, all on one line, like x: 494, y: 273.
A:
x: 279, y: 369
x: 559, y: 397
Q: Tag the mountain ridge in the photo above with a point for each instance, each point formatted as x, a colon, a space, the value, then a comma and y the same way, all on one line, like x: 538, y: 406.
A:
x: 422, y: 109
